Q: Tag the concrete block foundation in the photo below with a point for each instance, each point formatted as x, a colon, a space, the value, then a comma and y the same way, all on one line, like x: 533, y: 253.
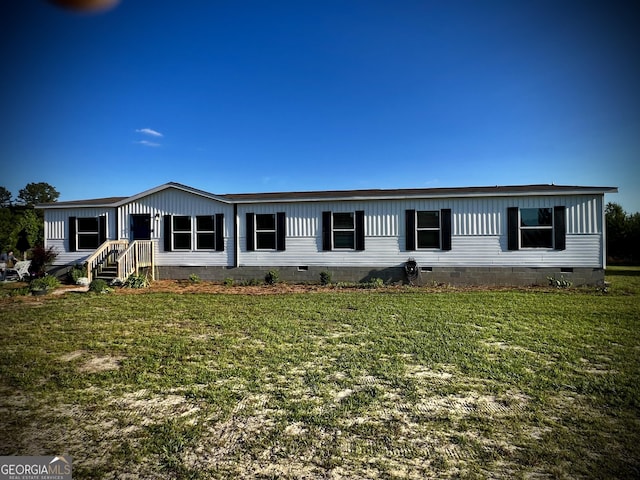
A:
x: 455, y: 276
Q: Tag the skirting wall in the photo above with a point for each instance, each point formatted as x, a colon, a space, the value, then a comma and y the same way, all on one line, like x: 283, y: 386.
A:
x: 458, y: 276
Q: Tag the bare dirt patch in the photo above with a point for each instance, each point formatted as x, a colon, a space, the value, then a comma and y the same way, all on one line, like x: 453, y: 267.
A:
x: 188, y: 287
x: 92, y: 364
x: 150, y: 409
x: 100, y: 364
x: 70, y: 289
x: 69, y: 357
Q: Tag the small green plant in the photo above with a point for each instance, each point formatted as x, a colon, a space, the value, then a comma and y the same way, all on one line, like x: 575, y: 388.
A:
x: 136, y: 281
x: 48, y: 282
x: 79, y: 270
x: 99, y: 286
x: 14, y: 291
x: 325, y: 277
x: 603, y: 287
x: 228, y: 282
x: 18, y: 292
x: 272, y: 277
x: 374, y: 283
x: 194, y: 278
x: 559, y: 283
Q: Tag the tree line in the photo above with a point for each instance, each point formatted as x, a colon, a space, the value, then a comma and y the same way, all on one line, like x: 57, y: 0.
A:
x: 21, y: 225
x: 623, y: 235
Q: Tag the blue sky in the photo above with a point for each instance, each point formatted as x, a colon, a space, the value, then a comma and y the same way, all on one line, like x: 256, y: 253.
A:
x: 259, y: 96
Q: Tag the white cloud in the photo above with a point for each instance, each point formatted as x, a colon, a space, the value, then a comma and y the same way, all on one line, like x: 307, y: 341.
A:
x: 147, y: 143
x: 149, y: 131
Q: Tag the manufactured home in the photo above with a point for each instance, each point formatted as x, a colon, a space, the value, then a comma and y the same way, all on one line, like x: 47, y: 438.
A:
x: 502, y: 235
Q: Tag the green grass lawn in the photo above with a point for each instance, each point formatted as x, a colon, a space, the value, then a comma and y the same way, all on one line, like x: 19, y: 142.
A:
x: 351, y: 384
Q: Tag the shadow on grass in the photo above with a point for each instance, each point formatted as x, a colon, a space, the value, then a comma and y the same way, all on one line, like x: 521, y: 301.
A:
x: 623, y: 271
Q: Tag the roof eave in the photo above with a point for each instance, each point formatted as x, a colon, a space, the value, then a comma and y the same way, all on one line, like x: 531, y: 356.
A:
x: 347, y: 195
x: 76, y: 204
x: 119, y: 201
x: 274, y: 198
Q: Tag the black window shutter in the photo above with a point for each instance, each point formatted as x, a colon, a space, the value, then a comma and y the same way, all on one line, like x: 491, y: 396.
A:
x: 72, y: 234
x: 281, y: 230
x: 359, y: 229
x: 559, y: 228
x: 220, y: 232
x: 410, y: 230
x: 512, y: 228
x: 250, y: 232
x: 445, y: 228
x: 168, y: 232
x: 102, y: 229
x: 326, y: 231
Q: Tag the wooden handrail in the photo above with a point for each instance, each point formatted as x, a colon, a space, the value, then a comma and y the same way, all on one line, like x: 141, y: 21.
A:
x: 100, y: 255
x: 139, y: 254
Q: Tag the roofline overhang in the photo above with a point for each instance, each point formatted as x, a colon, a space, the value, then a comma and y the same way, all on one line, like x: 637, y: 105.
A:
x: 115, y: 202
x: 414, y: 194
x: 77, y: 204
x: 346, y: 195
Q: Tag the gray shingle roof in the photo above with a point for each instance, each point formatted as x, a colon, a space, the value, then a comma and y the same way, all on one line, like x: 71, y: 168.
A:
x: 439, y: 192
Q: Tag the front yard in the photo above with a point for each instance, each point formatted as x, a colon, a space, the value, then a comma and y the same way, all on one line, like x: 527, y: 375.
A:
x: 387, y: 383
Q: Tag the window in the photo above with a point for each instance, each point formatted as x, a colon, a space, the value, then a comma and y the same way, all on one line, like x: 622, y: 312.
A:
x: 88, y: 231
x: 181, y: 233
x: 266, y: 231
x: 343, y: 230
x: 428, y: 229
x: 205, y: 233
x: 536, y: 228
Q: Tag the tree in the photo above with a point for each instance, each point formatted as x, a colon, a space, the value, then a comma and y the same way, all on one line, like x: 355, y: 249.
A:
x: 6, y: 227
x: 35, y: 193
x: 633, y: 229
x: 29, y: 226
x: 21, y: 225
x: 623, y: 235
x: 5, y: 197
x: 616, y: 220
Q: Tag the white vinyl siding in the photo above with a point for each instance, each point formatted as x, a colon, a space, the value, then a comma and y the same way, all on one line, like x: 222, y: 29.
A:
x: 56, y: 226
x: 478, y: 233
x: 478, y: 227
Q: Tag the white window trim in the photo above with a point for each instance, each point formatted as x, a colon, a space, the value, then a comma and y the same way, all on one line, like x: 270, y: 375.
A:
x: 79, y: 234
x: 194, y: 224
x: 257, y: 231
x: 334, y: 229
x: 174, y: 231
x: 535, y: 227
x: 429, y: 229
